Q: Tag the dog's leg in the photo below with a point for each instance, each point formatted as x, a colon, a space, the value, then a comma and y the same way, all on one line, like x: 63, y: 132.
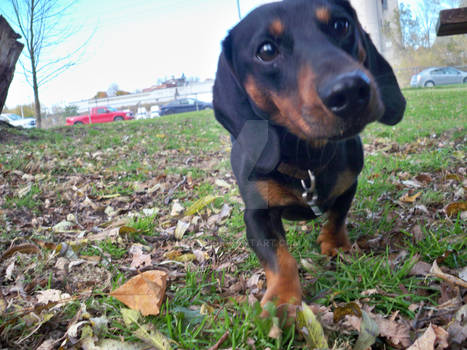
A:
x: 333, y: 236
x: 266, y: 237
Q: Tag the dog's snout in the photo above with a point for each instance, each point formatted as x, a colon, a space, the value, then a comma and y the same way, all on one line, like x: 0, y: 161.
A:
x: 347, y: 94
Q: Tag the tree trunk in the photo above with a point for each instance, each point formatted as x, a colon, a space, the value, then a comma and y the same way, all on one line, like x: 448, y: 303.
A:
x: 10, y: 49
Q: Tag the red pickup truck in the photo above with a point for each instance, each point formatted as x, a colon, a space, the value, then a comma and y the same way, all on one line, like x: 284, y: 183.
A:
x: 99, y: 115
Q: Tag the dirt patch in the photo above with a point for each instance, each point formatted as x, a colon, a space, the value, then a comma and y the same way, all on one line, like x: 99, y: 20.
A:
x: 9, y: 134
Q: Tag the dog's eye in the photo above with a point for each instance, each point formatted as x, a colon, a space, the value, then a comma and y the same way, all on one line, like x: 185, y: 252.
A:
x: 267, y: 52
x: 340, y: 27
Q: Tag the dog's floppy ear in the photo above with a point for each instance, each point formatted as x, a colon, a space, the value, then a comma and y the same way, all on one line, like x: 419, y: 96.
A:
x: 393, y: 100
x: 233, y: 110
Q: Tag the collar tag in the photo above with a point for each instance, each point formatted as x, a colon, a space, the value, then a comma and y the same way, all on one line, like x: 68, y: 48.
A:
x: 309, y: 194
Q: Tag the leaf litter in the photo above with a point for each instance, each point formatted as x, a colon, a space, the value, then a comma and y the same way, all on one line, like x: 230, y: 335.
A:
x: 62, y: 206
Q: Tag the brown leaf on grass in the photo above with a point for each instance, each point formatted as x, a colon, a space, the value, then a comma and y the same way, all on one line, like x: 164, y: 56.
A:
x: 396, y: 332
x: 127, y: 230
x: 424, y: 177
x: 22, y: 248
x: 434, y: 335
x: 458, y: 329
x: 407, y: 198
x: 348, y: 309
x: 139, y: 259
x: 143, y: 292
x: 453, y: 209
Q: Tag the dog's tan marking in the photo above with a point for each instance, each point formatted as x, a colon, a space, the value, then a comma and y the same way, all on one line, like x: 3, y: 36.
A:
x: 276, y: 28
x: 289, y: 115
x: 257, y: 95
x: 361, y: 53
x: 323, y: 14
x: 333, y: 236
x: 276, y: 195
x: 283, y: 282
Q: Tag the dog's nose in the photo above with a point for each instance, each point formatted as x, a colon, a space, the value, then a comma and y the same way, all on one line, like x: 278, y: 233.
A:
x: 347, y: 94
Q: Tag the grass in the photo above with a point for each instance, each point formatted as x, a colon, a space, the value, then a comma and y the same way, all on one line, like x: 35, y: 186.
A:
x: 105, y: 162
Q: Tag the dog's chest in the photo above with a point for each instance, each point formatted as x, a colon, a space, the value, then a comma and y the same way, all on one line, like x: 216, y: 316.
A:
x: 292, y: 186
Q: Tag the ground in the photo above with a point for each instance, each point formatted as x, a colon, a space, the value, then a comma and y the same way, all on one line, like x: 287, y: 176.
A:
x: 84, y: 209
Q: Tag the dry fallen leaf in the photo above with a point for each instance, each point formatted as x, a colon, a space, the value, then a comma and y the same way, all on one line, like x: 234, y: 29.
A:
x: 410, y: 198
x: 141, y: 260
x: 397, y: 333
x: 181, y: 228
x: 455, y: 208
x: 348, y: 309
x: 52, y: 295
x: 433, y: 335
x: 22, y: 248
x: 143, y: 292
x: 176, y: 209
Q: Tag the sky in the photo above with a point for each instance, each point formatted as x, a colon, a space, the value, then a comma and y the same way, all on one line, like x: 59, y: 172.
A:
x: 133, y: 43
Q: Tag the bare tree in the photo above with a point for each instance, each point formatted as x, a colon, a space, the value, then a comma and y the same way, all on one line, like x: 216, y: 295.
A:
x: 112, y: 90
x: 40, y: 23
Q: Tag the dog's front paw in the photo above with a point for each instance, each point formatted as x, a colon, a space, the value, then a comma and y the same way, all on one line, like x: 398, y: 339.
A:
x: 283, y: 284
x: 286, y: 303
x: 331, y: 241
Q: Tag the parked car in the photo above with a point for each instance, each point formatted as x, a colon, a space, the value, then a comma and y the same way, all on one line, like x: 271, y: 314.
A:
x: 18, y: 121
x: 155, y: 112
x: 184, y: 105
x: 141, y: 113
x: 438, y: 76
x: 100, y: 115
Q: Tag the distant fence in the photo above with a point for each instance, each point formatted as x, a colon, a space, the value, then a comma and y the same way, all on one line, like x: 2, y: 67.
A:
x: 147, y: 98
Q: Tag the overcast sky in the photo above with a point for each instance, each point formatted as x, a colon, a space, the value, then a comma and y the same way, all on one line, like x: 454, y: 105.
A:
x: 136, y: 42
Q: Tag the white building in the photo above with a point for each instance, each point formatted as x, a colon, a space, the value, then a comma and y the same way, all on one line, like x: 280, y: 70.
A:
x: 373, y: 14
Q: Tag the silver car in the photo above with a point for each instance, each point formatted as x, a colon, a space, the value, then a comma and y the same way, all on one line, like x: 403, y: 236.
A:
x: 438, y: 76
x: 18, y: 121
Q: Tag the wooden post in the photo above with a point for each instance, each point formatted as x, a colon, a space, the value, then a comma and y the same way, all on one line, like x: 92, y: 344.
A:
x: 452, y: 22
x: 10, y: 49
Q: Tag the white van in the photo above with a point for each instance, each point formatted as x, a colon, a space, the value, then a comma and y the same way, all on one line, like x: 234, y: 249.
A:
x: 142, y: 113
x: 155, y: 112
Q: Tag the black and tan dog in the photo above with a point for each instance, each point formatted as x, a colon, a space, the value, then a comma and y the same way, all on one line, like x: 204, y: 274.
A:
x: 297, y: 81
